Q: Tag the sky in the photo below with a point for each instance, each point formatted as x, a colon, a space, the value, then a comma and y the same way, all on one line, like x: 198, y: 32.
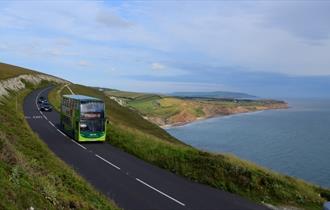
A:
x: 266, y: 48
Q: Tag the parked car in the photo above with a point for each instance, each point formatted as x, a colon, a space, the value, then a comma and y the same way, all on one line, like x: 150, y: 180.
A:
x: 46, y: 107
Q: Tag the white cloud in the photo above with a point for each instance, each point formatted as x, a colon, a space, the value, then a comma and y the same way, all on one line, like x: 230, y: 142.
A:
x: 165, y: 86
x: 157, y: 66
x: 234, y: 34
x: 63, y: 42
x: 131, y: 36
x: 83, y: 63
x: 3, y: 46
x: 110, y: 20
x: 306, y: 19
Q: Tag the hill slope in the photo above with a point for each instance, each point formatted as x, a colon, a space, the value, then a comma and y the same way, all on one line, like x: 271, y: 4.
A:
x: 135, y: 135
x: 8, y: 71
x: 30, y: 175
x: 118, y: 115
x: 215, y: 94
x: 169, y: 110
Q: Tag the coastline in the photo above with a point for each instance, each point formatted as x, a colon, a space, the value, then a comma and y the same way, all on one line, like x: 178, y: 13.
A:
x: 178, y: 124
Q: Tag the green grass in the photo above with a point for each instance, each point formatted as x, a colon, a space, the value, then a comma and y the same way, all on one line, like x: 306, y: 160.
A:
x: 220, y: 171
x: 169, y: 110
x: 129, y: 95
x: 147, y: 104
x: 151, y: 106
x: 117, y: 114
x: 8, y: 71
x: 30, y: 174
x: 147, y: 141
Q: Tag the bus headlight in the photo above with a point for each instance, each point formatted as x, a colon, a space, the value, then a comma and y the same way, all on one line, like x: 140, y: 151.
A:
x: 83, y: 125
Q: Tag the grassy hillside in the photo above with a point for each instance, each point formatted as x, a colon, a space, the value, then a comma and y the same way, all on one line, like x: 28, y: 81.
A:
x: 8, y: 71
x: 214, y: 94
x: 167, y: 110
x: 117, y: 114
x: 128, y: 95
x: 30, y: 174
x: 137, y: 136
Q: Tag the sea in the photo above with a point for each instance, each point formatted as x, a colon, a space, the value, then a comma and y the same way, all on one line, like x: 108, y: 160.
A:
x: 294, y: 141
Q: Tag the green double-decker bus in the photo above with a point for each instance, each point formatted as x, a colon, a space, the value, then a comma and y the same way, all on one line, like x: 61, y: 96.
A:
x: 83, y: 118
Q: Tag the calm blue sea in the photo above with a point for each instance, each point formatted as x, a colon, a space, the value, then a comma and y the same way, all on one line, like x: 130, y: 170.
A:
x: 294, y: 141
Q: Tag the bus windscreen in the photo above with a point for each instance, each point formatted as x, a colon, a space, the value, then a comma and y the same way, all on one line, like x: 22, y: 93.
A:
x: 91, y: 125
x: 92, y: 110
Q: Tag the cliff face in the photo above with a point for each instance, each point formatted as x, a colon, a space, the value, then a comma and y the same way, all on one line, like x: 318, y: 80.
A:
x: 18, y: 83
x: 187, y: 113
x: 170, y: 110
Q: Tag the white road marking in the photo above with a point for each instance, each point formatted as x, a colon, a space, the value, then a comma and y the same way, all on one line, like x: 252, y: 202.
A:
x: 62, y: 132
x: 113, y: 165
x: 164, y: 194
x: 52, y: 123
x: 33, y: 117
x: 78, y: 144
x: 108, y: 162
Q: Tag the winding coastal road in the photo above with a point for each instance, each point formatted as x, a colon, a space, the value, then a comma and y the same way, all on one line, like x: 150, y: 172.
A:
x: 132, y: 183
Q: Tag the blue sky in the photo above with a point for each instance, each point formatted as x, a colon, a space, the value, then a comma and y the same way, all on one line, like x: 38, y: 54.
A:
x: 269, y: 48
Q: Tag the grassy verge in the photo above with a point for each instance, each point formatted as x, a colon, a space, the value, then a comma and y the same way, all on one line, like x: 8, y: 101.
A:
x: 31, y: 175
x: 224, y: 172
x: 141, y: 138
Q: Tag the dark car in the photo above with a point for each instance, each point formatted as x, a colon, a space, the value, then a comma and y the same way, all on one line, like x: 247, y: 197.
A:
x: 46, y: 107
x: 42, y: 100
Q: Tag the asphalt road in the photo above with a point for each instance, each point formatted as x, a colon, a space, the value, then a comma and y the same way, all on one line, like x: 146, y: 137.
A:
x: 129, y: 181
